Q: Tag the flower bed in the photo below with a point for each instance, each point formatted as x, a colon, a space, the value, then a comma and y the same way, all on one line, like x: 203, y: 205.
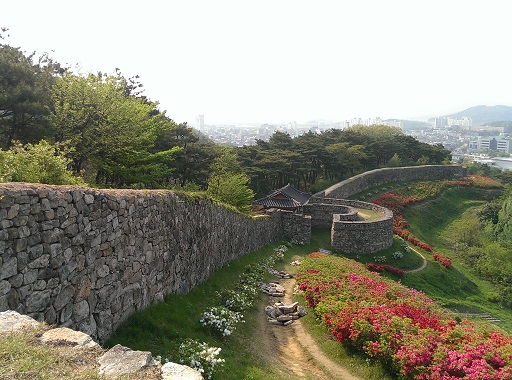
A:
x: 398, y: 326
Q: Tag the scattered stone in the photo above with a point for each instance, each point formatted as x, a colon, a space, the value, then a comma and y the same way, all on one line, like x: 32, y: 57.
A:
x: 120, y: 360
x: 284, y: 314
x: 67, y: 337
x: 12, y: 321
x: 302, y: 311
x: 296, y: 263
x: 174, y: 371
x: 288, y: 309
x: 284, y: 318
x: 273, y: 289
x: 280, y: 273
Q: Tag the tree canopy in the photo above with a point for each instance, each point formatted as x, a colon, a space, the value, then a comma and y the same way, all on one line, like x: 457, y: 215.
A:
x: 111, y: 134
x: 314, y: 160
x: 24, y: 95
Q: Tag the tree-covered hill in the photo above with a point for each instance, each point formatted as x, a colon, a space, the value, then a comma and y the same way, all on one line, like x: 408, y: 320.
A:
x: 485, y: 114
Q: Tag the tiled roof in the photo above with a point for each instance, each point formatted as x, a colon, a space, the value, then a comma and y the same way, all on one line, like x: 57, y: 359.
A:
x: 292, y: 192
x: 285, y: 198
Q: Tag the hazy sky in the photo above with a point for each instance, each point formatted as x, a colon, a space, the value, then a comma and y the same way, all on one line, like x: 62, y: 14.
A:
x: 280, y: 61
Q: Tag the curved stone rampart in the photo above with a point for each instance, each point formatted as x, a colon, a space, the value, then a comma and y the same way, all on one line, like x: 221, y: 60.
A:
x: 349, y: 232
x: 377, y: 177
x: 87, y: 258
x: 362, y: 236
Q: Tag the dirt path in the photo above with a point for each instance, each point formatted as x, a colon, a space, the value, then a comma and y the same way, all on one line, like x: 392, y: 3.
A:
x: 423, y: 265
x: 298, y: 351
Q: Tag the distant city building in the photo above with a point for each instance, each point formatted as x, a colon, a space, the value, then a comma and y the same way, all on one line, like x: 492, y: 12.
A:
x: 465, y: 122
x: 490, y: 143
x: 373, y: 121
x: 200, y: 122
x: 440, y: 122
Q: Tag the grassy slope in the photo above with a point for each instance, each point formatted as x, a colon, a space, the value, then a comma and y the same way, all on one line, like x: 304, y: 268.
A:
x: 457, y: 288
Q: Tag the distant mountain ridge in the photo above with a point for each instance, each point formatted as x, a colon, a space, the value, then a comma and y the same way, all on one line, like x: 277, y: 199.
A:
x: 485, y: 114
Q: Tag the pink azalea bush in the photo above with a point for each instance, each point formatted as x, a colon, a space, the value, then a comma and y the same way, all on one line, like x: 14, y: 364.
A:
x: 399, y: 326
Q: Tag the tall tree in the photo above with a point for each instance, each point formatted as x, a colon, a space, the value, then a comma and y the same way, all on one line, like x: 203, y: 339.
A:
x: 24, y: 95
x: 110, y: 131
x: 191, y: 164
x: 228, y: 184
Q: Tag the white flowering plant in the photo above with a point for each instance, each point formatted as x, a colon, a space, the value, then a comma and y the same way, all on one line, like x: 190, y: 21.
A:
x: 296, y: 242
x: 274, y: 257
x: 379, y: 259
x: 397, y: 255
x: 221, y: 319
x: 280, y: 251
x: 241, y: 298
x: 200, y: 356
x: 253, y: 274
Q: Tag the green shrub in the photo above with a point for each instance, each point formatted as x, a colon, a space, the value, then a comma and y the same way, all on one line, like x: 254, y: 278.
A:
x: 37, y: 163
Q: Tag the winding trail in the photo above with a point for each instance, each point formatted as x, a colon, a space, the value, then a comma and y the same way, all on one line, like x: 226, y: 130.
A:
x: 298, y: 351
x: 423, y: 265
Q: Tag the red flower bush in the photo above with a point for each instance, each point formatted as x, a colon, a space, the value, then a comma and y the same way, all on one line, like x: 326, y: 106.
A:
x: 399, y: 326
x: 444, y: 260
x: 385, y: 268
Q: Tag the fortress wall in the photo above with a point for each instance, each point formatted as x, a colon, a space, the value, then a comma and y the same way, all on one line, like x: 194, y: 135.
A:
x: 87, y: 258
x: 361, y: 237
x: 377, y: 177
x: 321, y: 212
x: 349, y: 232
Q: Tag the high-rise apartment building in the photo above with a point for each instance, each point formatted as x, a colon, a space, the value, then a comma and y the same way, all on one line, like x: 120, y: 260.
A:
x: 200, y: 122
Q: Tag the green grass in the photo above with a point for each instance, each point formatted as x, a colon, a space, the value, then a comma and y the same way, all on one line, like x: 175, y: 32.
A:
x: 458, y: 288
x: 428, y: 219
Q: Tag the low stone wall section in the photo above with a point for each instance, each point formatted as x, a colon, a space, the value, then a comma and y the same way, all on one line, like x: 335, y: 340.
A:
x: 321, y: 213
x: 379, y: 177
x: 87, y: 259
x: 349, y: 232
x: 361, y: 237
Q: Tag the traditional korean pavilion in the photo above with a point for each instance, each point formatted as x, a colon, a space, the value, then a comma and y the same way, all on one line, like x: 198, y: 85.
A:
x: 285, y: 198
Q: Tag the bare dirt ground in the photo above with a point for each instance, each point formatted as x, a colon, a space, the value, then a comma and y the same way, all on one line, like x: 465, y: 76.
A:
x: 295, y: 349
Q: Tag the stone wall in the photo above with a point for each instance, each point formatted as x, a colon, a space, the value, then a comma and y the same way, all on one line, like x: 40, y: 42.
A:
x: 296, y: 226
x: 349, y: 232
x: 362, y: 236
x: 378, y: 177
x: 321, y: 212
x: 87, y: 259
